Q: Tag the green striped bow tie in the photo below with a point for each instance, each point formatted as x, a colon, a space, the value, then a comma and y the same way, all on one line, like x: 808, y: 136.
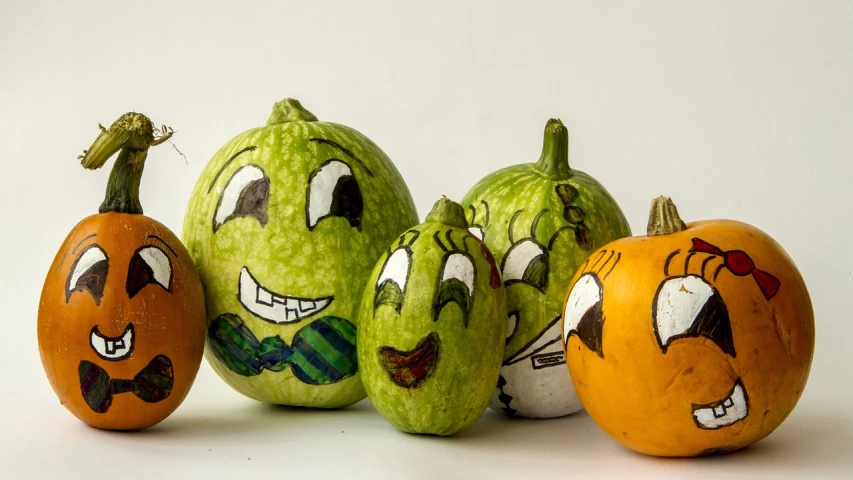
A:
x: 152, y: 384
x: 322, y: 352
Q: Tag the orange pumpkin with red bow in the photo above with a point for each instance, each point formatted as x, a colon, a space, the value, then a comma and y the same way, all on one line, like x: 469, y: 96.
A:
x: 695, y: 339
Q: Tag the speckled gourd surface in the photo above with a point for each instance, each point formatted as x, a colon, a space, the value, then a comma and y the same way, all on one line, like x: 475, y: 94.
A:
x: 431, y: 326
x: 284, y: 225
x: 540, y: 220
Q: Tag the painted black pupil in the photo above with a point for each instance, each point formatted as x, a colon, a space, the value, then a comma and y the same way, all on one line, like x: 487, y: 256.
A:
x: 713, y: 322
x: 253, y: 200
x: 389, y: 293
x: 93, y: 281
x: 139, y: 274
x: 455, y: 291
x: 347, y: 201
x: 536, y: 273
x: 590, y: 328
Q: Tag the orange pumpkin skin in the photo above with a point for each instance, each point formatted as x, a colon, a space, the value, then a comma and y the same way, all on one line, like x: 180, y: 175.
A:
x: 168, y: 323
x: 657, y: 374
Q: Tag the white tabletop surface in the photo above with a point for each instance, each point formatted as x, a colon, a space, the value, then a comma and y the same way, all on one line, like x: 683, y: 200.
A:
x: 217, y: 433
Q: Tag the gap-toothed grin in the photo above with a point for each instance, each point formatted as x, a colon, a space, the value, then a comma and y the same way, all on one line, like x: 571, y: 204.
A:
x: 723, y: 413
x: 273, y: 307
x: 410, y: 369
x: 112, y: 348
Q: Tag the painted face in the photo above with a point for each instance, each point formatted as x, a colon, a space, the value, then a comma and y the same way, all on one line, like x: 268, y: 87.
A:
x: 288, y: 220
x: 431, y: 322
x: 539, y: 250
x: 692, y: 357
x: 122, y: 301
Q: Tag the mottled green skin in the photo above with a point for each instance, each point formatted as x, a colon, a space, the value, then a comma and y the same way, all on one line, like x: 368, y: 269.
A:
x: 284, y: 256
x: 521, y: 187
x: 458, y: 392
x: 529, y: 189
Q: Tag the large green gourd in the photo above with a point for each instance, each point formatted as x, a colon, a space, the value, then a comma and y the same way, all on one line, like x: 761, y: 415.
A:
x: 284, y: 225
x: 431, y: 326
x: 541, y: 220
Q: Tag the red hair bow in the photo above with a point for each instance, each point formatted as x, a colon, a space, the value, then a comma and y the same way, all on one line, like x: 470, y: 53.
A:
x: 739, y: 263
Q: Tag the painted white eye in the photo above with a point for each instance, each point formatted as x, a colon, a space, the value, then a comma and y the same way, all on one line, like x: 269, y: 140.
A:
x: 148, y: 265
x: 391, y: 285
x: 689, y: 306
x: 511, y: 324
x: 88, y: 273
x: 246, y: 194
x: 526, y: 262
x: 585, y: 295
x: 460, y: 267
x: 333, y: 192
x: 477, y: 231
x: 456, y: 285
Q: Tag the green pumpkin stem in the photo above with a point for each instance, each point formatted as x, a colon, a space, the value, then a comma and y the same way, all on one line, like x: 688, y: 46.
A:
x: 448, y: 212
x: 289, y: 110
x: 664, y: 218
x: 554, y: 161
x: 131, y: 135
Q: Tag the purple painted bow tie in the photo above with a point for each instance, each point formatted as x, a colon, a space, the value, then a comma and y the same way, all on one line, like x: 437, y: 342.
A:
x: 152, y: 384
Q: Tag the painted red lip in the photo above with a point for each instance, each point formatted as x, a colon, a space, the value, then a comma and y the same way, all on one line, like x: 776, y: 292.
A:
x: 412, y: 368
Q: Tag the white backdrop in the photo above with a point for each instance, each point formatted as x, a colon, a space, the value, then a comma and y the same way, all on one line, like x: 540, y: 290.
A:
x: 734, y: 109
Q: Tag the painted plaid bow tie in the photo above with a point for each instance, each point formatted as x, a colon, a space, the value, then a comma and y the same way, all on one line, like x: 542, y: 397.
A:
x: 739, y: 263
x: 152, y: 384
x: 323, y: 351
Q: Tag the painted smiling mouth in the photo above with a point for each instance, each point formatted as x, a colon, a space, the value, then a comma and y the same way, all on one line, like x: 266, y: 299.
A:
x: 273, y: 307
x: 112, y: 348
x: 412, y: 368
x: 723, y: 413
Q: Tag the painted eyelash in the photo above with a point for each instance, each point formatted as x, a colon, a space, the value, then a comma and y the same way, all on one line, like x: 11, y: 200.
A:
x: 436, y: 237
x: 450, y: 240
x: 669, y: 259
x: 533, y: 226
x: 474, y: 213
x: 401, y: 241
x: 453, y: 247
x: 511, y: 224
x: 601, y: 268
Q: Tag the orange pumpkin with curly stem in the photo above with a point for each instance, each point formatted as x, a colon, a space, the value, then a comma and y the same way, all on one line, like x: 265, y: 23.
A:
x: 694, y: 340
x: 121, y: 320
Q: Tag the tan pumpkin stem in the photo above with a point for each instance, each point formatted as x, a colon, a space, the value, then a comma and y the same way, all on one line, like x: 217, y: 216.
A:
x: 554, y: 161
x: 664, y: 218
x: 448, y: 212
x: 131, y: 135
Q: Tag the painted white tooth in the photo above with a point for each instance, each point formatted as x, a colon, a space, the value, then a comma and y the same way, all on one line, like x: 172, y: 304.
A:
x: 264, y: 296
x: 306, y: 306
x: 265, y: 304
x: 248, y: 287
x: 721, y: 415
x: 98, y: 343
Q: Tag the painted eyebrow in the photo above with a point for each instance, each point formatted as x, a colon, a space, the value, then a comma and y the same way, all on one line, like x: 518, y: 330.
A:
x: 164, y: 243
x: 224, y: 166
x: 343, y: 149
x: 74, y: 250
